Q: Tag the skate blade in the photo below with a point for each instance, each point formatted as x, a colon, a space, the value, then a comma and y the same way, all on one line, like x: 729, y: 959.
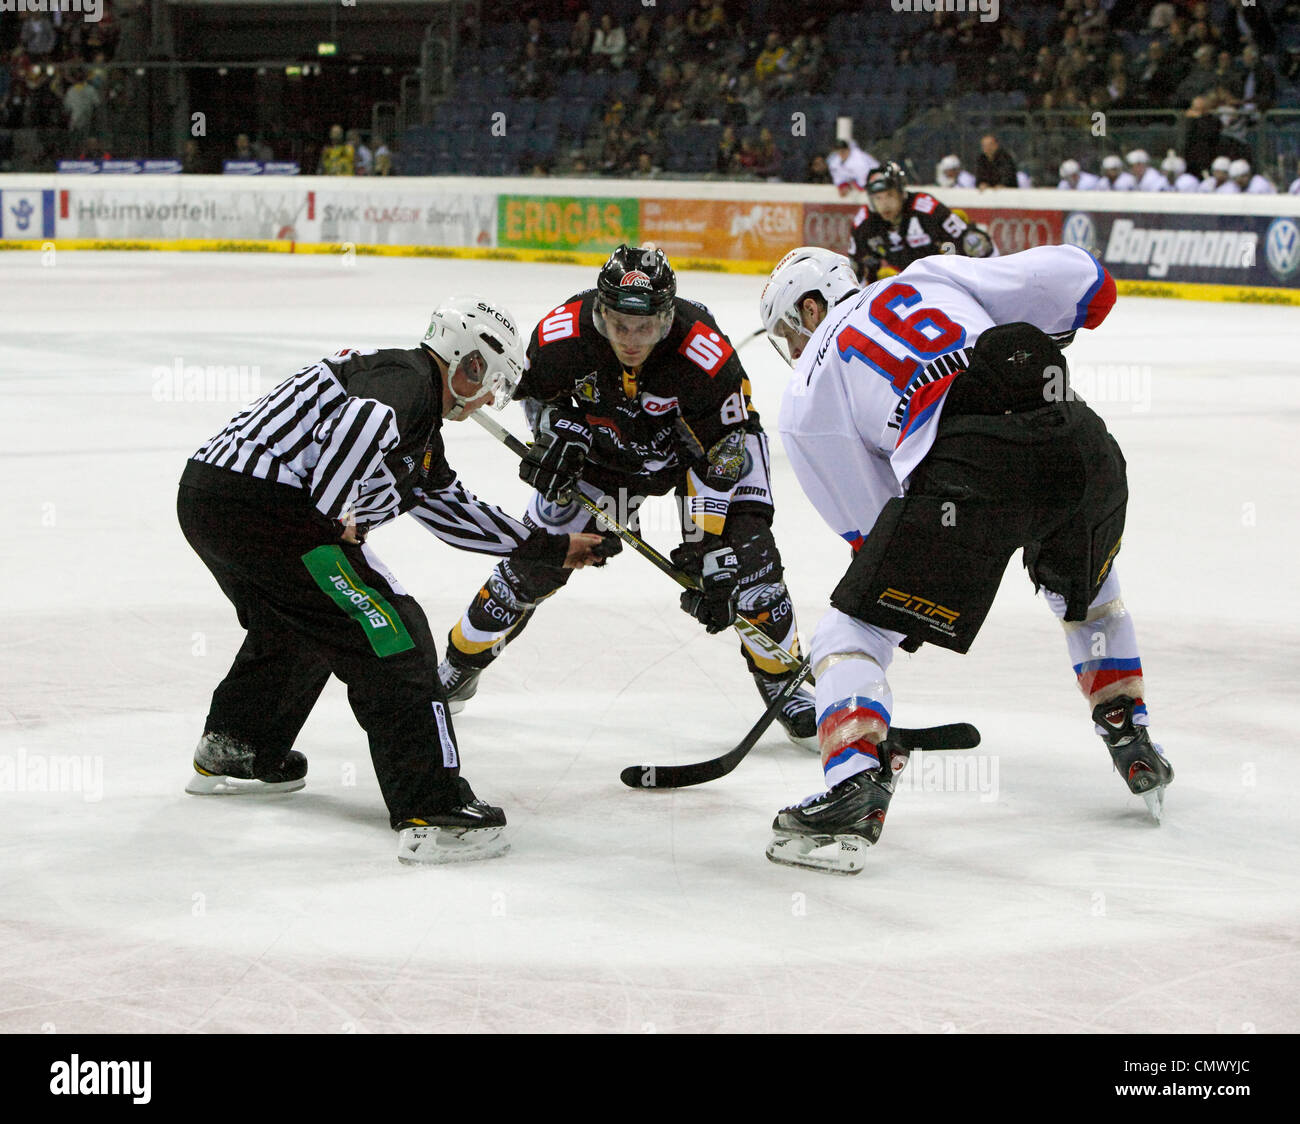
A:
x: 809, y: 744
x: 1155, y: 802
x: 424, y: 846
x: 838, y: 854
x: 207, y: 784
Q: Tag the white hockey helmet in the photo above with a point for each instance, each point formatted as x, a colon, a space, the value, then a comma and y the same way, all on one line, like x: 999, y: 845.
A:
x: 481, y: 347
x: 1138, y: 156
x: 808, y: 269
x: 1112, y: 163
x: 1173, y: 165
x: 1069, y: 168
x: 1238, y: 168
x: 1221, y: 164
x: 950, y: 163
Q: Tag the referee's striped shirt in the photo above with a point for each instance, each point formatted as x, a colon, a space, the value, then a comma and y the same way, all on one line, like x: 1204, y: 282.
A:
x: 361, y: 458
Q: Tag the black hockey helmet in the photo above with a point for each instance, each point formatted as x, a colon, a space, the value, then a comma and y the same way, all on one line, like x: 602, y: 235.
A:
x: 887, y: 177
x: 638, y: 281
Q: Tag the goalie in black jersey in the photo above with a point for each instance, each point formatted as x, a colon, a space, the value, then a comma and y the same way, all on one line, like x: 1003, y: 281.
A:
x: 635, y: 392
x: 898, y: 227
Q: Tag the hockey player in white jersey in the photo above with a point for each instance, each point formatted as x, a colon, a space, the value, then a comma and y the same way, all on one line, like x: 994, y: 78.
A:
x: 1074, y: 178
x: 929, y: 421
x: 1113, y: 177
x: 1177, y: 175
x: 1250, y: 182
x: 1145, y: 177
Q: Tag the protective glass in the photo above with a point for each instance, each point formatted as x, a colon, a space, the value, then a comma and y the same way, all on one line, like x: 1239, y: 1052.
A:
x: 485, y: 368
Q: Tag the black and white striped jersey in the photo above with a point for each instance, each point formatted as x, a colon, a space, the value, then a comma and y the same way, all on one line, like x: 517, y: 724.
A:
x: 361, y: 433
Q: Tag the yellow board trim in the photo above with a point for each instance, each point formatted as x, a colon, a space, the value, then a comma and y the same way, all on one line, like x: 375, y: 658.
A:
x: 1182, y: 290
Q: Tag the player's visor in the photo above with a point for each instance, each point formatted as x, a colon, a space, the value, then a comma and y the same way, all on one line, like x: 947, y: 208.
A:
x: 789, y: 338
x: 486, y: 368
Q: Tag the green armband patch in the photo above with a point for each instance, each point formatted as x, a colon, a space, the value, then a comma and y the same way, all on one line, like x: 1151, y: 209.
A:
x: 335, y: 575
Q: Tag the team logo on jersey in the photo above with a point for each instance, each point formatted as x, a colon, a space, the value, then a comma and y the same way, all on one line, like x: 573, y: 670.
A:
x: 556, y: 514
x: 1078, y: 230
x: 706, y: 348
x: 585, y: 387
x: 635, y: 277
x: 1282, y: 248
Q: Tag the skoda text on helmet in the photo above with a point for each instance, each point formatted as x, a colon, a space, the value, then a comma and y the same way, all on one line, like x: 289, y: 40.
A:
x: 808, y: 270
x: 481, y: 347
x: 635, y: 281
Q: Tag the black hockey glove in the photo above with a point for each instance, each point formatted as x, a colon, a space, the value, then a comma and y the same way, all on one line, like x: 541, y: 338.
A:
x: 714, y: 603
x: 554, y: 461
x: 610, y: 545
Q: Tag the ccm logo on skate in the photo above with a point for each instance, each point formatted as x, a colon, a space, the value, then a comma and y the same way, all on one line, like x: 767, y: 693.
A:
x: 360, y: 600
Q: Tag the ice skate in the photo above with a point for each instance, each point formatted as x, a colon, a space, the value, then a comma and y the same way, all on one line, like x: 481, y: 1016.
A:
x: 1138, y: 759
x: 226, y: 767
x: 471, y: 830
x: 460, y: 683
x: 798, y: 716
x: 831, y: 831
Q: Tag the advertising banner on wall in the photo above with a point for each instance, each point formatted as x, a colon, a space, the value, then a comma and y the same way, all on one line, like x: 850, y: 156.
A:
x: 573, y: 223
x: 26, y: 214
x: 715, y: 228
x: 121, y: 209
x: 1204, y: 249
x: 1013, y: 230
x: 829, y: 225
x: 393, y: 217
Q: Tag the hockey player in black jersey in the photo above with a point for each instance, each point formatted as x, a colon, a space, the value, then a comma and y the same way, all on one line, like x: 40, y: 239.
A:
x: 279, y: 505
x: 898, y: 227
x: 640, y: 392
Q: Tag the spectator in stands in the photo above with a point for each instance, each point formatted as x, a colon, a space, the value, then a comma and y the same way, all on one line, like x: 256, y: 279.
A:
x: 749, y: 95
x: 94, y: 149
x: 1113, y: 176
x: 995, y: 167
x: 1145, y: 177
x: 80, y: 102
x: 1217, y: 180
x: 1074, y: 178
x: 672, y: 38
x: 1042, y: 78
x: 1294, y: 189
x: 1157, y: 77
x: 1256, y: 83
x: 772, y: 60
x: 1248, y: 182
x: 38, y: 36
x: 337, y: 158
x: 818, y: 172
x: 1247, y: 22
x: 640, y: 42
x: 728, y: 158
x: 763, y: 158
x: 383, y: 157
x: 949, y: 173
x: 609, y: 44
x: 1201, y: 78
x: 645, y: 168
x: 704, y: 24
x: 1093, y: 22
x: 534, y: 34
x: 193, y: 161
x: 364, y: 162
x: 850, y: 166
x: 532, y: 74
x: 244, y: 150
x: 1200, y: 135
x: 580, y: 38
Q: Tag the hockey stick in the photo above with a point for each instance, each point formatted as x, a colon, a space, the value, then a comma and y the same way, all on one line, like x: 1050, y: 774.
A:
x: 757, y: 639
x: 955, y: 735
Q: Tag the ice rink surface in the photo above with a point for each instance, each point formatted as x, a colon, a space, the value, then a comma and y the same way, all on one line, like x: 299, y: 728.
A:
x: 1023, y: 890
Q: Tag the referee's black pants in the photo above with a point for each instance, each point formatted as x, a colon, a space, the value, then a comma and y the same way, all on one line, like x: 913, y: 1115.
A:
x: 312, y: 607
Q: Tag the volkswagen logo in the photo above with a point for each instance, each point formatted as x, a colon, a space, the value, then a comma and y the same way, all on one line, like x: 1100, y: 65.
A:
x: 1282, y: 248
x: 1078, y: 230
x: 1011, y: 234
